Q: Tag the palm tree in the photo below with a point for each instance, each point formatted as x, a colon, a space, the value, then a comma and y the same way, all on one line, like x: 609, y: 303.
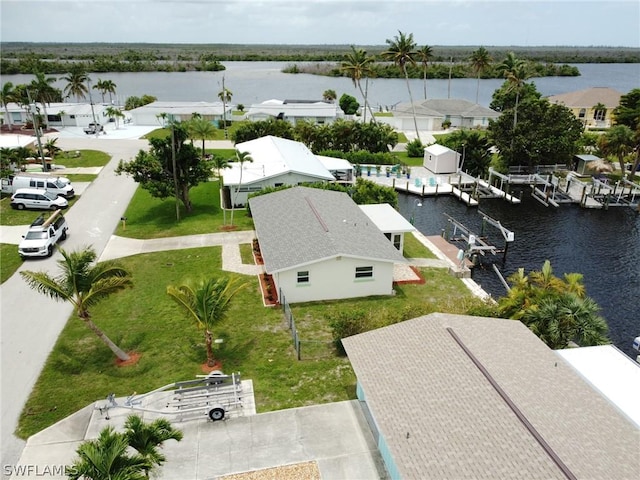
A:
x: 401, y: 51
x: 43, y: 92
x: 618, y: 141
x: 76, y: 80
x: 225, y: 96
x: 357, y: 65
x: 207, y: 302
x: 83, y: 283
x: 328, y: 96
x: 219, y: 162
x: 241, y: 157
x: 424, y: 55
x: 480, y: 61
x: 201, y: 128
x: 114, y: 112
x: 106, y: 458
x: 7, y: 95
x: 105, y: 86
x: 516, y: 72
x: 51, y: 148
x: 146, y: 438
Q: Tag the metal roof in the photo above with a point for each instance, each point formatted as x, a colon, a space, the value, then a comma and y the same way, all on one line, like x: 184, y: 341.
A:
x: 183, y: 108
x: 303, y: 225
x: 273, y: 156
x: 387, y: 218
x: 442, y: 417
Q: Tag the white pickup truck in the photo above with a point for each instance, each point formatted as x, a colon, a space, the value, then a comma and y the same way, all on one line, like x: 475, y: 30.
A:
x: 43, y: 235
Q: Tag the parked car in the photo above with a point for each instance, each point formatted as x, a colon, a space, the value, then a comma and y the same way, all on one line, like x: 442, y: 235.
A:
x: 60, y: 186
x: 34, y: 198
x: 43, y: 235
x: 93, y: 128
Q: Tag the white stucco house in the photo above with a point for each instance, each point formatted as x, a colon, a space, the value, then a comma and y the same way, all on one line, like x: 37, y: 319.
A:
x: 293, y: 111
x: 319, y: 245
x: 59, y: 114
x: 158, y: 113
x: 276, y: 162
x: 430, y: 114
x: 441, y: 159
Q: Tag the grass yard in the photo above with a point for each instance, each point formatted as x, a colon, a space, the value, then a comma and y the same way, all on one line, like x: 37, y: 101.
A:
x: 87, y: 158
x: 149, y: 217
x: 414, y: 249
x: 10, y: 261
x: 257, y: 342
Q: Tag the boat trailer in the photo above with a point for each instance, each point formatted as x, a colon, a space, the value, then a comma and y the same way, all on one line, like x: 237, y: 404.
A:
x: 213, y: 395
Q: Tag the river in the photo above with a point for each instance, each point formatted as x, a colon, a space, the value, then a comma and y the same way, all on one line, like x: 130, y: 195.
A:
x: 602, y: 245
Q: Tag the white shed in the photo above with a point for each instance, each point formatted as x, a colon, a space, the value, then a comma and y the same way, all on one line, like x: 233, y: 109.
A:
x: 441, y: 159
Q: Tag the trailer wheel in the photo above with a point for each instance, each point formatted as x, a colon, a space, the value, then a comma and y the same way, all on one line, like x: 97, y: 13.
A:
x: 216, y: 414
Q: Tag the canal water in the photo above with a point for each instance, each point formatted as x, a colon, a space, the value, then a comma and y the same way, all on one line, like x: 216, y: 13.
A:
x: 603, y: 245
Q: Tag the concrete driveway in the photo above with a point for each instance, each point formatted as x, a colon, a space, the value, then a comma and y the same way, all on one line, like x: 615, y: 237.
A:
x: 31, y: 322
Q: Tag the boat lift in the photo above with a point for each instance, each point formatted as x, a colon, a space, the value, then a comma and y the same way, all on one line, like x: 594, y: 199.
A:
x: 477, y: 243
x: 213, y: 395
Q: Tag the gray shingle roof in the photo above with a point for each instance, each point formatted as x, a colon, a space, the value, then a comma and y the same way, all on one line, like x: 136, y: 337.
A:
x: 302, y: 225
x: 418, y: 381
x: 453, y: 107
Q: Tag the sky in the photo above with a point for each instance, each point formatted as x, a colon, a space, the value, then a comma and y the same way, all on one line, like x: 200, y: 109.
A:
x: 323, y: 22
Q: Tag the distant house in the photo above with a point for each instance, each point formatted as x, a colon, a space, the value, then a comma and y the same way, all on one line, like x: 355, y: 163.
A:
x: 159, y: 113
x: 431, y: 114
x: 592, y: 106
x: 455, y: 396
x: 390, y: 222
x: 60, y: 114
x: 293, y: 111
x: 319, y: 245
x: 440, y: 159
x: 275, y: 162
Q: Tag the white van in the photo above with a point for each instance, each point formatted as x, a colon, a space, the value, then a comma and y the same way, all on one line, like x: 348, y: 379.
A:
x: 33, y: 198
x: 59, y: 186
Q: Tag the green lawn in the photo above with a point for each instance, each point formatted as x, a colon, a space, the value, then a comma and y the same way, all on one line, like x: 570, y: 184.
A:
x: 257, y: 343
x: 149, y: 217
x: 9, y: 260
x: 87, y: 158
x: 414, y: 249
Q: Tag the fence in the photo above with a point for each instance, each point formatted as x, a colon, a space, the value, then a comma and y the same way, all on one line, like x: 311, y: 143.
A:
x: 313, y: 349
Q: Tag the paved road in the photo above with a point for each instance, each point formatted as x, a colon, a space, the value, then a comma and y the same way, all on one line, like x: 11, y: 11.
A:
x: 31, y: 322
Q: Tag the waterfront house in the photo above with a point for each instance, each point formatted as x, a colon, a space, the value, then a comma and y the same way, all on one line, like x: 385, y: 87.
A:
x: 59, y: 114
x: 440, y: 159
x: 294, y: 111
x: 456, y: 396
x: 159, y: 113
x: 593, y: 106
x: 319, y: 245
x: 275, y: 162
x: 435, y: 114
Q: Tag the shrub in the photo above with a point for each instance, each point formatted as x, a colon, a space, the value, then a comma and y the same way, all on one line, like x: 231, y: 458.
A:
x: 415, y: 149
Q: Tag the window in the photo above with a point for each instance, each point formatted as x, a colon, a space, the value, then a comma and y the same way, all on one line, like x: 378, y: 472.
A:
x: 600, y: 114
x: 397, y: 238
x: 364, y: 272
x: 583, y: 113
x: 303, y: 277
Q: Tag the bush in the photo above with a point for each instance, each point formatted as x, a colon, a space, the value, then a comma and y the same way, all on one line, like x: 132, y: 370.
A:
x: 415, y: 149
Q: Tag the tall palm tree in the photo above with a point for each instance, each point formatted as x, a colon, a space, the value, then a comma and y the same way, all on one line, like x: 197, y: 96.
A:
x: 147, y: 438
x: 7, y: 95
x: 618, y: 141
x: 206, y: 302
x: 357, y: 65
x: 76, y: 84
x: 105, y: 86
x: 480, y: 61
x: 424, y: 55
x: 401, y: 51
x: 42, y: 91
x: 516, y: 72
x: 201, y: 128
x: 219, y: 162
x: 225, y: 96
x: 242, y: 158
x: 83, y: 283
